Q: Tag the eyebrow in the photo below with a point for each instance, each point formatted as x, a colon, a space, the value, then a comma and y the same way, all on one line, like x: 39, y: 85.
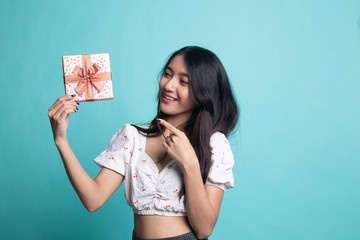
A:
x: 183, y: 74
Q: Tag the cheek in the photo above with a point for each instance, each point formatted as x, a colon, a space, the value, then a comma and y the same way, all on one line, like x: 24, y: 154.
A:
x: 187, y: 96
x: 161, y: 83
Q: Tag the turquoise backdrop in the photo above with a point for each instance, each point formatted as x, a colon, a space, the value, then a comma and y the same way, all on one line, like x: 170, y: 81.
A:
x: 294, y: 67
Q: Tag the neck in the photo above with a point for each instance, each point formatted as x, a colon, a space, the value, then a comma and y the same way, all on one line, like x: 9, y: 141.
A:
x: 176, y: 121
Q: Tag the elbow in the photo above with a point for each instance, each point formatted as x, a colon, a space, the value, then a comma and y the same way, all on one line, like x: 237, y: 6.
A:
x: 204, y: 230
x: 204, y: 233
x: 93, y: 207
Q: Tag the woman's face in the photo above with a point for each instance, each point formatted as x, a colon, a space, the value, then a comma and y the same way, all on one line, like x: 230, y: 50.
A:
x: 174, y: 86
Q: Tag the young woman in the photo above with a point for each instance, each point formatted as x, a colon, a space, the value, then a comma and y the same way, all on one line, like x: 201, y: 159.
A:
x: 176, y: 169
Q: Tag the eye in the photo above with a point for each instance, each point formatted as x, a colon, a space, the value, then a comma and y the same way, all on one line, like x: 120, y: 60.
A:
x: 166, y: 74
x: 183, y: 82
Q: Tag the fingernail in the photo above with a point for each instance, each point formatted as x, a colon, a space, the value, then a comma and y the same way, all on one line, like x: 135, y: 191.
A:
x: 73, y: 95
x: 77, y: 109
x: 77, y: 103
x: 158, y: 120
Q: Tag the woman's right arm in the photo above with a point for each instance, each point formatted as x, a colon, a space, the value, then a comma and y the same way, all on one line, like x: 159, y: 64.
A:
x: 92, y: 193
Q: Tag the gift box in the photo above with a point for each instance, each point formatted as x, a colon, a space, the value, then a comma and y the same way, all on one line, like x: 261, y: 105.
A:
x: 88, y: 77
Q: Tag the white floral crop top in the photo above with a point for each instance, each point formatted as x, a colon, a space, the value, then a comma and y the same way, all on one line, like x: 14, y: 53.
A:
x: 150, y: 192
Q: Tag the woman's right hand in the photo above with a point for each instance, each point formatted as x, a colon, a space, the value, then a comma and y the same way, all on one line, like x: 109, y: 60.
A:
x: 59, y: 115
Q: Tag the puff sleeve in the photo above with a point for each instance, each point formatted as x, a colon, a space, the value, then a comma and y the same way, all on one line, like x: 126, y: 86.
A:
x: 221, y: 174
x: 119, y: 151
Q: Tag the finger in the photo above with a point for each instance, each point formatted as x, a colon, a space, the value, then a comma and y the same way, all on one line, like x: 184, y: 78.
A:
x: 64, y: 108
x: 57, y: 106
x: 64, y: 114
x: 168, y: 149
x: 169, y: 139
x: 61, y: 110
x: 171, y: 136
x: 61, y: 107
x: 165, y: 145
x: 170, y: 127
x: 60, y: 102
x: 63, y: 99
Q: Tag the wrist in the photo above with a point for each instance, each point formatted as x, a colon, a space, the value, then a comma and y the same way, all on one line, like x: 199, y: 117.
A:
x: 191, y: 165
x: 60, y: 141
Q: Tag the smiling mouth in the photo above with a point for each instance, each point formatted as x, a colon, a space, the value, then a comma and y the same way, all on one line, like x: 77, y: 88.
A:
x: 169, y: 98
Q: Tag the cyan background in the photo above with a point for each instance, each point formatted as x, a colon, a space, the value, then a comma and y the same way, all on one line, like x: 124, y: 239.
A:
x: 294, y: 67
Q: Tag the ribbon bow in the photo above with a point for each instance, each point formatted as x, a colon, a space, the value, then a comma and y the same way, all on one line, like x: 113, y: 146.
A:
x: 88, y: 77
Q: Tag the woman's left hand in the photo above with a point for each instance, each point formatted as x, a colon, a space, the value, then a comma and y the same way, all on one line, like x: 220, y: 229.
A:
x: 178, y: 145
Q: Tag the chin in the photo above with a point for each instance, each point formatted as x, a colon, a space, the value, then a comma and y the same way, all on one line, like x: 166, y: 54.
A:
x: 175, y: 110
x: 167, y: 112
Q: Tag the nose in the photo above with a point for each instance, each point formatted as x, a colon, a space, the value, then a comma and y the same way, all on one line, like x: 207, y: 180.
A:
x: 171, y: 84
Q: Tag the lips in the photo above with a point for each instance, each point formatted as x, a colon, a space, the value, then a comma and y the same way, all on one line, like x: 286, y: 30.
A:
x: 168, y: 97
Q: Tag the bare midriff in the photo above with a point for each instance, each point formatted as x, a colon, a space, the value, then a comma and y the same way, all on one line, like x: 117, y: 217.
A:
x: 154, y: 226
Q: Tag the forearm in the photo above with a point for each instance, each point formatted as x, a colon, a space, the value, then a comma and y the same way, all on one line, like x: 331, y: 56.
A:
x: 85, y: 187
x: 201, y: 213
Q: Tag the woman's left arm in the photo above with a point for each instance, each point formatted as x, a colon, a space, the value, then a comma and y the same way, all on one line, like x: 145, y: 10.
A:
x: 202, y: 202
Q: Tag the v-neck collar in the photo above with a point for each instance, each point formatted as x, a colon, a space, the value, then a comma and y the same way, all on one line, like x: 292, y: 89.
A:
x: 154, y: 164
x: 152, y: 161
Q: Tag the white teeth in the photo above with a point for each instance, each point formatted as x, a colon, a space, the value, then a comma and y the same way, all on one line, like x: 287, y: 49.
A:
x: 170, y: 98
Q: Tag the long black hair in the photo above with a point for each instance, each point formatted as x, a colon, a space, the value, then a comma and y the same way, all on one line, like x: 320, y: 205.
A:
x: 215, y: 110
